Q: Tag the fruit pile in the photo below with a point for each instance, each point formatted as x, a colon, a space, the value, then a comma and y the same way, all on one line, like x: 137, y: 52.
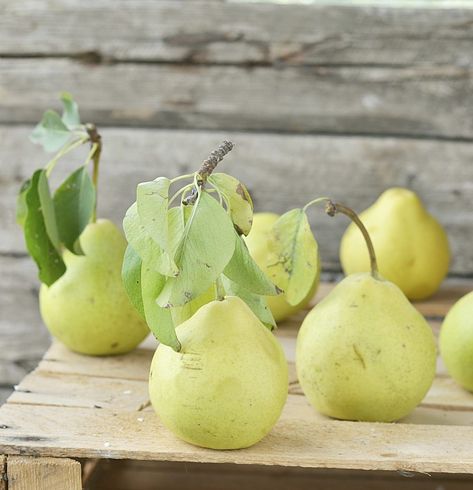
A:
x: 211, y: 280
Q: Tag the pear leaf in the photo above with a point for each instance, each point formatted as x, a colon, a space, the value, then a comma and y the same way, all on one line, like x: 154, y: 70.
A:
x: 206, y: 247
x: 293, y: 259
x: 74, y: 201
x: 145, y: 246
x: 152, y: 200
x: 182, y: 313
x: 244, y: 270
x: 257, y: 303
x: 239, y: 201
x: 70, y: 115
x: 21, y: 208
x: 47, y: 210
x: 40, y: 247
x: 159, y: 319
x: 51, y: 132
x: 131, y: 276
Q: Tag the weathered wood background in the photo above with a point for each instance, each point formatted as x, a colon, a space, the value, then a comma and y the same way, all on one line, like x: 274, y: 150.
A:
x: 319, y: 99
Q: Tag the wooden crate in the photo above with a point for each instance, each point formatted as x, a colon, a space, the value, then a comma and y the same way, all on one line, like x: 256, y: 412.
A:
x: 97, y: 409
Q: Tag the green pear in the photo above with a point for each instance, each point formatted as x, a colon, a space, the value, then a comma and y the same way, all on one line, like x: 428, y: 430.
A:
x: 87, y: 308
x: 411, y: 245
x: 227, y: 386
x: 456, y: 342
x: 365, y: 353
x: 257, y: 242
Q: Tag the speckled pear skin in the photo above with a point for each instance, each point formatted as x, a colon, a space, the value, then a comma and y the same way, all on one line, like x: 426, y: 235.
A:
x: 257, y: 242
x: 87, y: 309
x: 228, y: 385
x: 365, y: 353
x: 456, y: 341
x: 411, y: 246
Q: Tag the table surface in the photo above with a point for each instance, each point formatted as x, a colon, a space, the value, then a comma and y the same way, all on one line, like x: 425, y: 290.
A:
x: 98, y: 407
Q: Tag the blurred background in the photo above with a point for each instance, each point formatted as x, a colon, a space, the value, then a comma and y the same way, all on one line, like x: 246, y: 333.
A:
x: 341, y: 98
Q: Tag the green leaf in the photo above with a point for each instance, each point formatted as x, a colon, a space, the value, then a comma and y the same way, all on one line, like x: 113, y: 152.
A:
x: 145, y: 246
x: 239, y: 200
x: 131, y: 276
x: 152, y: 200
x: 206, y: 247
x: 51, y: 132
x: 47, y: 210
x: 21, y: 208
x: 74, y: 201
x: 50, y: 264
x: 257, y: 303
x: 244, y: 270
x: 293, y: 262
x: 158, y: 319
x: 70, y: 115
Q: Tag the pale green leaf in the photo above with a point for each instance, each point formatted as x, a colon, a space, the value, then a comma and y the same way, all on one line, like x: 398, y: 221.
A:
x: 206, y: 247
x: 239, y: 200
x: 74, y: 202
x: 131, y: 276
x: 244, y: 270
x: 70, y: 115
x: 51, y: 132
x: 257, y: 303
x: 159, y: 319
x: 50, y: 264
x: 293, y: 262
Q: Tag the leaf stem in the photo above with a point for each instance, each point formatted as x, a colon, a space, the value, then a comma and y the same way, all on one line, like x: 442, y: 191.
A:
x: 95, y: 139
x: 315, y: 201
x: 63, y: 151
x: 333, y: 208
x: 179, y: 192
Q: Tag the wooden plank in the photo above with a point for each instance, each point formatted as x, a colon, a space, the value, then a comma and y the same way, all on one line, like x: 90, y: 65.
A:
x: 3, y: 472
x: 299, y: 439
x: 318, y: 166
x: 146, y: 475
x: 414, y: 101
x: 232, y: 32
x: 27, y: 473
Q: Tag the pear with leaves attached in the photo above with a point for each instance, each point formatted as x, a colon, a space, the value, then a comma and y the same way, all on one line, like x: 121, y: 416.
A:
x: 260, y: 244
x: 82, y: 299
x: 219, y: 378
x: 364, y: 352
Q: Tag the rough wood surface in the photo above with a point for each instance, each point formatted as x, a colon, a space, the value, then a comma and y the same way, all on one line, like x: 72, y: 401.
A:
x: 237, y: 33
x: 27, y: 473
x: 432, y: 101
x: 355, y: 170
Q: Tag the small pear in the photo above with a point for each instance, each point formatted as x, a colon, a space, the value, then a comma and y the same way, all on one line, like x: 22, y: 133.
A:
x: 227, y: 386
x: 87, y: 308
x: 257, y: 242
x: 364, y: 352
x: 411, y: 245
x: 456, y: 342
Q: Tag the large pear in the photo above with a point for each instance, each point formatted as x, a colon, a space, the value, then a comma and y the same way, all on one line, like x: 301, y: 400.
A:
x: 365, y: 353
x: 411, y: 246
x: 87, y: 309
x: 227, y: 386
x: 456, y: 341
x: 258, y: 245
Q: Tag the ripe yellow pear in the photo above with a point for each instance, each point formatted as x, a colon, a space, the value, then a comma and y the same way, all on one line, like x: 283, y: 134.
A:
x: 456, y: 342
x: 227, y: 386
x: 87, y: 308
x: 411, y: 245
x: 257, y: 242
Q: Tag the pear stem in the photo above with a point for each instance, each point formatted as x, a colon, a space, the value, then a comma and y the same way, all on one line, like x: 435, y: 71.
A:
x: 95, y: 139
x: 207, y: 167
x: 333, y: 208
x: 220, y: 289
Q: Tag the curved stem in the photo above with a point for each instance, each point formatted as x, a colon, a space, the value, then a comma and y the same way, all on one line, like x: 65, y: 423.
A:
x: 179, y: 192
x: 95, y: 139
x: 315, y: 201
x: 63, y: 151
x: 333, y: 208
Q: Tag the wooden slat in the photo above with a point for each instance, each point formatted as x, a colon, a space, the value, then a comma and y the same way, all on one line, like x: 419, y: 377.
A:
x: 27, y: 473
x: 413, y: 101
x: 318, y: 166
x: 232, y: 32
x: 299, y: 439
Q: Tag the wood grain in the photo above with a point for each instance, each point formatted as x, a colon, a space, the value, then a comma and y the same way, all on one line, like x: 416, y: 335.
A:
x: 413, y: 101
x: 26, y: 473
